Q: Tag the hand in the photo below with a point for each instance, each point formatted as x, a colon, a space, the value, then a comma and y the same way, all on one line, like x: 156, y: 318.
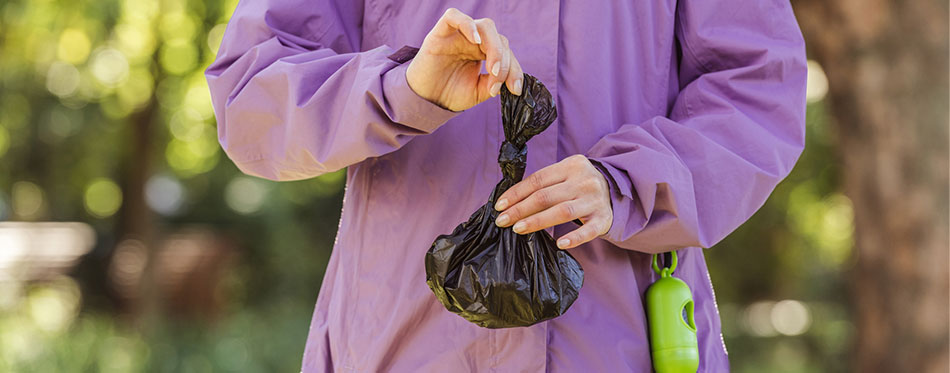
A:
x: 447, y: 68
x: 567, y: 190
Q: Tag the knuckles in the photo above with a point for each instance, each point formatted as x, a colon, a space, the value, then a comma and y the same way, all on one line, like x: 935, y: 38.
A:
x: 487, y: 22
x: 515, y: 213
x: 590, y: 185
x: 566, y: 211
x: 576, y: 160
x: 597, y: 228
x: 591, y: 180
x: 535, y: 182
x: 542, y: 198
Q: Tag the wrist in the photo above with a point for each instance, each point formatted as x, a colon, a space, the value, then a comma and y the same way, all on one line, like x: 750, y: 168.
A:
x: 407, y: 107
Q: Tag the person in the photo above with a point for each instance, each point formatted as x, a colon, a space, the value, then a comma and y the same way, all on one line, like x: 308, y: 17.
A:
x: 676, y: 121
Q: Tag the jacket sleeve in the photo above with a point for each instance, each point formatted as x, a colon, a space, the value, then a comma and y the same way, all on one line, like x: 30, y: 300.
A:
x: 736, y: 129
x: 295, y: 97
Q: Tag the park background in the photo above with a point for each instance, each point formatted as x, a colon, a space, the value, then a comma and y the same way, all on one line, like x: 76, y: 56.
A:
x: 129, y: 242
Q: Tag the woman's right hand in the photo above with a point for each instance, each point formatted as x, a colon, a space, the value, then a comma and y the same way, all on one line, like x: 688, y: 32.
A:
x: 447, y: 68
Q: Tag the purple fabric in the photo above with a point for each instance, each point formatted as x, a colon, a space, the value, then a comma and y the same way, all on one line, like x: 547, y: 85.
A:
x: 693, y: 109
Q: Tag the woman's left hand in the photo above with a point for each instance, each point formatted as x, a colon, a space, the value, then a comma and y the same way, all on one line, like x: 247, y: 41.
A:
x: 567, y: 190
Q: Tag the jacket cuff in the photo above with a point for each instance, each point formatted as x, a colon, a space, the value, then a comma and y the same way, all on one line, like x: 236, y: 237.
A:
x: 407, y: 107
x: 619, y: 200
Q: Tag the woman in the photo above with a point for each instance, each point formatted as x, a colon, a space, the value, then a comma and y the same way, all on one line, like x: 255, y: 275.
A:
x: 676, y: 121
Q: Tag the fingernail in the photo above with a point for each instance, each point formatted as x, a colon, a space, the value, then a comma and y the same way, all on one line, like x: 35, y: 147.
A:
x: 517, y: 88
x: 502, y: 220
x: 478, y: 38
x: 495, y: 89
x: 519, y: 227
x: 496, y: 68
x: 501, y: 204
x: 563, y: 243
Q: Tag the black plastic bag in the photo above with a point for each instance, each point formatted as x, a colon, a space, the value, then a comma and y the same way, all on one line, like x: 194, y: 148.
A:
x: 493, y: 276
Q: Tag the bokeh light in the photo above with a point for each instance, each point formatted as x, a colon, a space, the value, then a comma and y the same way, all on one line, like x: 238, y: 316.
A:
x: 178, y: 27
x: 817, y: 83
x: 189, y: 158
x: 141, y: 11
x: 769, y: 319
x: 28, y: 200
x: 127, y: 266
x: 827, y: 223
x: 198, y: 97
x: 62, y: 123
x: 137, y: 89
x: 178, y: 57
x: 53, y: 307
x: 245, y: 195
x: 110, y: 67
x: 757, y: 319
x: 38, y: 250
x: 164, y: 194
x: 187, y: 125
x: 215, y: 36
x: 62, y: 79
x: 790, y: 317
x: 135, y: 39
x: 114, y: 108
x: 102, y: 198
x: 73, y: 46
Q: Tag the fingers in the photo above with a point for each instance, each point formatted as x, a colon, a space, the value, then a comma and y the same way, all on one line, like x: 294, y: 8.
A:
x: 497, y: 55
x: 538, y: 201
x: 592, y: 229
x: 515, y: 76
x: 545, y: 177
x: 570, y: 189
x: 558, y: 214
x: 490, y: 85
x: 453, y: 20
x: 500, y: 61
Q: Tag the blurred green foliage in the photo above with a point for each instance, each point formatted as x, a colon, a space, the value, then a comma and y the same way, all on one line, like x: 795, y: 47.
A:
x: 78, y: 77
x: 798, y: 248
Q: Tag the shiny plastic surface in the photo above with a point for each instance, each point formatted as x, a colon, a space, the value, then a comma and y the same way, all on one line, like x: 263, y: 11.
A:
x: 493, y: 276
x: 672, y: 328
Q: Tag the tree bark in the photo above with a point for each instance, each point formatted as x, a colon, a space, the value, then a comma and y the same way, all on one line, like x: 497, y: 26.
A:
x: 887, y: 67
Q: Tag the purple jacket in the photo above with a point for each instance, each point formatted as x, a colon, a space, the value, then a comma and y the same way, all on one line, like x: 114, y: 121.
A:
x: 694, y: 108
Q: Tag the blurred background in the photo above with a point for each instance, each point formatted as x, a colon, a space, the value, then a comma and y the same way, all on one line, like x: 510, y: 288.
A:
x: 128, y: 241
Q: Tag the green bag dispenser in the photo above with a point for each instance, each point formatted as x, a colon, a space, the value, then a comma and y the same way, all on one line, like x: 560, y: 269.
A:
x: 673, y: 342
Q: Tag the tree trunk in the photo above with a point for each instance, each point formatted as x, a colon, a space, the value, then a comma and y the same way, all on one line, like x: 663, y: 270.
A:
x: 886, y: 62
x: 135, y: 222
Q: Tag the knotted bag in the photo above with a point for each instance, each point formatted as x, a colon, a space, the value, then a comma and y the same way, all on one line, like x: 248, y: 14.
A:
x: 493, y: 276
